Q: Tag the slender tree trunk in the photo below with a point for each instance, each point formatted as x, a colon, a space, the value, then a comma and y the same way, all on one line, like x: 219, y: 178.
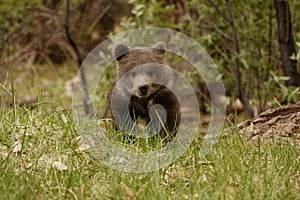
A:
x: 86, y: 99
x: 239, y: 93
x: 243, y: 97
x: 286, y: 42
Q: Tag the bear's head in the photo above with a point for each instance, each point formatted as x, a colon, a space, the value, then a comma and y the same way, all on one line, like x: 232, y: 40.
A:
x: 141, y: 69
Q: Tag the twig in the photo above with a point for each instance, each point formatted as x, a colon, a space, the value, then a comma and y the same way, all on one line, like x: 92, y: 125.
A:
x: 99, y: 17
x: 86, y: 99
x: 270, y: 35
x: 219, y: 11
x: 71, y: 41
x: 6, y: 90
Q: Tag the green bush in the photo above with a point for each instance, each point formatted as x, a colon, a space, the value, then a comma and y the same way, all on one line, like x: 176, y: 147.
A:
x: 256, y: 28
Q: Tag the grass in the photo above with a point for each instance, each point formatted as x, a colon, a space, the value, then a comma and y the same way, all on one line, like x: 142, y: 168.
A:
x: 42, y: 157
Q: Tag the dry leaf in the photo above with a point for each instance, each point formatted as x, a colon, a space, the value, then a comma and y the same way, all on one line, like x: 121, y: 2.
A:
x: 17, y: 147
x: 127, y: 192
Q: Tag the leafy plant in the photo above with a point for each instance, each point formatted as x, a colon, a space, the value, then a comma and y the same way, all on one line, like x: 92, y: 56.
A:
x: 256, y: 33
x: 286, y: 94
x: 14, y: 13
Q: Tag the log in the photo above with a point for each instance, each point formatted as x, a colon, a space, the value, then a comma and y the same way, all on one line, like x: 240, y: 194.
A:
x: 280, y: 124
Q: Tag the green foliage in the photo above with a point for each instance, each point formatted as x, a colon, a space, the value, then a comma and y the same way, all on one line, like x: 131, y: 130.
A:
x: 147, y: 12
x: 14, y: 13
x: 286, y: 94
x: 256, y: 26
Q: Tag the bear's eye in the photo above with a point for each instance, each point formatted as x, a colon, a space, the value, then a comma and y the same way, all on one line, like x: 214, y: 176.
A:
x: 132, y: 74
x: 151, y: 73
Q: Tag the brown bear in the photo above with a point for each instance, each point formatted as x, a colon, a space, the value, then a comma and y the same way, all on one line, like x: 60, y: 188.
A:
x: 141, y: 92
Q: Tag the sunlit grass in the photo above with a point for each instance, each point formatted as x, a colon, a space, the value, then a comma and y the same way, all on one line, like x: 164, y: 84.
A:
x: 42, y: 156
x: 48, y: 83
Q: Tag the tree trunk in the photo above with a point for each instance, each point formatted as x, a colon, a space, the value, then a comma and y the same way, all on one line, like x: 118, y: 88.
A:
x: 286, y: 42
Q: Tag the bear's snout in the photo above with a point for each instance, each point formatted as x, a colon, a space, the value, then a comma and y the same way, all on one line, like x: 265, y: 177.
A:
x: 143, y: 90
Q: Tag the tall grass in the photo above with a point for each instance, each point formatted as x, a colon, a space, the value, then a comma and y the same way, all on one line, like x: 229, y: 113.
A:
x: 45, y: 160
x: 43, y: 157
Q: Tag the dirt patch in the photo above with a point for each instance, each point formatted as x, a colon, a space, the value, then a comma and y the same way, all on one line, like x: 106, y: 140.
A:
x: 281, y: 124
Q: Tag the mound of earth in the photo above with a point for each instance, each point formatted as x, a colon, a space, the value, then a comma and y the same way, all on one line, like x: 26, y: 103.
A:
x: 281, y: 124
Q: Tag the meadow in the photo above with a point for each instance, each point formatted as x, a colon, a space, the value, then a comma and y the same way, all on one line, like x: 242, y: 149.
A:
x: 43, y: 157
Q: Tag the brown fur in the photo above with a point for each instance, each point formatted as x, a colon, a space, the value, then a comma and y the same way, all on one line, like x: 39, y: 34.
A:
x: 140, y: 101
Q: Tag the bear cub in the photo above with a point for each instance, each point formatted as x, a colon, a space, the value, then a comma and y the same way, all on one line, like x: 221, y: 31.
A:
x: 141, y: 92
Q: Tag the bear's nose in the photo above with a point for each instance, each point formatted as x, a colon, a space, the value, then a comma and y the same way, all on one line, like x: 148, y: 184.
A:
x: 143, y: 89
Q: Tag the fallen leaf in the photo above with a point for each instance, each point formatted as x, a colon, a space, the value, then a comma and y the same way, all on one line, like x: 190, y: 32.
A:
x: 17, y: 147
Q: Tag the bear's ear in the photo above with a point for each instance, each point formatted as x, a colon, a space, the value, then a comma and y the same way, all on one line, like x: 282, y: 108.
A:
x: 120, y: 51
x: 160, y: 47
